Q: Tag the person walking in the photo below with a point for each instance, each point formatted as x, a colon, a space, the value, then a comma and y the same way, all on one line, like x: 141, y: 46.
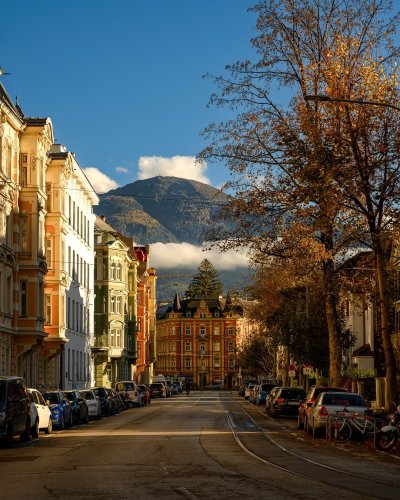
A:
x: 187, y: 387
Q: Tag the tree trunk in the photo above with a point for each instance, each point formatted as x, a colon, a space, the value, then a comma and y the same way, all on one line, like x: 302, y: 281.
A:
x: 335, y: 358
x: 386, y: 329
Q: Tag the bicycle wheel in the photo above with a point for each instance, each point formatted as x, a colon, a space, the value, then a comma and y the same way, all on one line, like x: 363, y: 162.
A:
x: 341, y: 431
x: 386, y: 440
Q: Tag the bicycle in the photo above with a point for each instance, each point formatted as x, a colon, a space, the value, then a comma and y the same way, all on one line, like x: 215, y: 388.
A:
x: 340, y: 426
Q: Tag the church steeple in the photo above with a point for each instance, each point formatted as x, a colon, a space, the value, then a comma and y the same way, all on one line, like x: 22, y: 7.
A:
x: 177, y: 304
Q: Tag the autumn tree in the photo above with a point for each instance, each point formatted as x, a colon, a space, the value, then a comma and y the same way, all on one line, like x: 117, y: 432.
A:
x: 206, y: 283
x: 314, y: 177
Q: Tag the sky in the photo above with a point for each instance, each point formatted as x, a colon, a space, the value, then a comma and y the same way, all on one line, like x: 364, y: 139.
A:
x: 123, y: 81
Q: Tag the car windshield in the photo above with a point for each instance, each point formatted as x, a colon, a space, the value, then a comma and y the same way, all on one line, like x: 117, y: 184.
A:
x: 343, y: 400
x: 52, y: 397
x: 70, y: 396
x: 292, y: 394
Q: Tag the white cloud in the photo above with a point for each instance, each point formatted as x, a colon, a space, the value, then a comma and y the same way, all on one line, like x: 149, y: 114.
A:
x: 176, y: 166
x: 122, y: 170
x: 101, y: 182
x: 185, y: 255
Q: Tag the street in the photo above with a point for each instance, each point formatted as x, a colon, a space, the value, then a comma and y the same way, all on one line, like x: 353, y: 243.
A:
x: 206, y: 445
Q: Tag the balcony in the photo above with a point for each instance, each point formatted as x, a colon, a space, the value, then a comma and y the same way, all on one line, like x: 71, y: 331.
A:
x: 100, y: 343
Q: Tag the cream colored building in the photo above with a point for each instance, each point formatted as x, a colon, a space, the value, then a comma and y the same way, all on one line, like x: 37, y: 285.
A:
x: 69, y: 292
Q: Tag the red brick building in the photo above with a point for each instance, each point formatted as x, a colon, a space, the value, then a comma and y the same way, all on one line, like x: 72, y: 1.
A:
x: 197, y: 340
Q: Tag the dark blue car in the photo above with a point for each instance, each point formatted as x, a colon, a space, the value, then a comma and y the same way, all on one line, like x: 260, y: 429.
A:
x: 61, y: 411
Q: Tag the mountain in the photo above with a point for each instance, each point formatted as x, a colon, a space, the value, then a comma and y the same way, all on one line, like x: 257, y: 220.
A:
x: 162, y: 209
x: 168, y: 210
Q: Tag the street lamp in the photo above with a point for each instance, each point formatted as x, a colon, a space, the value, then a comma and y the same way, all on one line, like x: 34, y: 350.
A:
x: 326, y: 98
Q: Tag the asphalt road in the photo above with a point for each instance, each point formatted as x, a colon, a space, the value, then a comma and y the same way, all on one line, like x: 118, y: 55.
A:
x: 210, y: 445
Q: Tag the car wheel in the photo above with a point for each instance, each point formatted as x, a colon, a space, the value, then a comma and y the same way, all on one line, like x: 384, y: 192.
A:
x: 49, y: 427
x: 26, y: 435
x: 35, y: 429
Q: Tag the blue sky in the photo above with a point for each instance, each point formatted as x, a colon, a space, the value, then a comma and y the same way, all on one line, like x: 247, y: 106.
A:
x: 122, y: 80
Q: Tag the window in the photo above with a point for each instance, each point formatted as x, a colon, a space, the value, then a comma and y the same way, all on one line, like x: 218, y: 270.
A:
x: 188, y: 363
x: 113, y: 271
x: 203, y: 314
x: 24, y: 234
x: 23, y: 298
x: 113, y: 304
x: 231, y: 363
x: 231, y: 346
x: 217, y: 346
x: 187, y: 346
x: 202, y: 330
x: 49, y: 252
x: 216, y: 362
x: 216, y: 314
x: 173, y: 346
x: 47, y: 318
x: 202, y: 347
x: 187, y: 330
x: 49, y: 204
x: 173, y: 330
x: 217, y: 330
x: 173, y: 364
x: 188, y: 315
x: 24, y: 169
x: 118, y: 304
x: 115, y: 337
x: 230, y: 330
x: 9, y: 294
x: 119, y: 273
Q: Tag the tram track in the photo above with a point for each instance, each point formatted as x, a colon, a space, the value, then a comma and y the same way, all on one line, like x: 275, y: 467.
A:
x: 259, y: 444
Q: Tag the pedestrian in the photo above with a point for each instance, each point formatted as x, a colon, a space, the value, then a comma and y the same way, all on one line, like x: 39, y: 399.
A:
x: 187, y: 387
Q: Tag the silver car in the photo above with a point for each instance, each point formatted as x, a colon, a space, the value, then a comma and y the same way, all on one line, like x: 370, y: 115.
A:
x: 330, y: 403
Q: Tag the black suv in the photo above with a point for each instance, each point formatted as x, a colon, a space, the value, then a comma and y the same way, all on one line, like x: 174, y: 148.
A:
x: 15, y: 416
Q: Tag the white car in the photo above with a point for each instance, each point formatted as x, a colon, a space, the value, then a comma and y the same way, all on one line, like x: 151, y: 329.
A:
x: 248, y: 390
x: 40, y: 413
x: 93, y: 404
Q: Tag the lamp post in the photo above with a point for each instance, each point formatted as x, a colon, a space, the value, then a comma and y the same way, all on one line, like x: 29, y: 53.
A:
x: 326, y: 98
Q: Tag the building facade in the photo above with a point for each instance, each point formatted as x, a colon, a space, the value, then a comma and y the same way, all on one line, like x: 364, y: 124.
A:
x: 197, y: 340
x: 69, y: 292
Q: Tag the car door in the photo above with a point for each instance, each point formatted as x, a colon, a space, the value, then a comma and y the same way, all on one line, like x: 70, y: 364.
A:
x: 42, y: 409
x: 17, y: 411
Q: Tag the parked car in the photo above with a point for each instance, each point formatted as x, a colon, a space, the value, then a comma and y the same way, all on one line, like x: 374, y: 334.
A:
x: 93, y: 404
x: 286, y: 401
x: 104, y: 398
x: 158, y: 390
x: 130, y: 390
x: 114, y: 399
x: 253, y: 394
x: 15, y: 416
x: 329, y: 403
x: 248, y: 390
x: 306, y: 404
x: 178, y: 386
x: 145, y: 393
x: 80, y: 411
x: 270, y: 396
x: 40, y: 413
x: 61, y: 411
x: 263, y: 390
x: 170, y: 387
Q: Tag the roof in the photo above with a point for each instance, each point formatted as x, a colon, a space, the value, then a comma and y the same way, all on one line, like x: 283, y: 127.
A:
x: 364, y: 350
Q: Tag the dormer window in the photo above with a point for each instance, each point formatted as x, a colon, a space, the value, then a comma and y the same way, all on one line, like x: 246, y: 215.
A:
x: 203, y: 315
x: 216, y: 314
x: 188, y: 315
